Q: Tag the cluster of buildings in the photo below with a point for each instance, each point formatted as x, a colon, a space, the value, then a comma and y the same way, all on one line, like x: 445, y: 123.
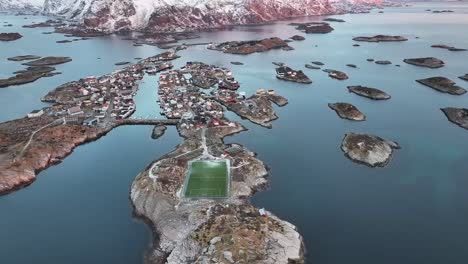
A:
x: 180, y: 95
x: 94, y: 99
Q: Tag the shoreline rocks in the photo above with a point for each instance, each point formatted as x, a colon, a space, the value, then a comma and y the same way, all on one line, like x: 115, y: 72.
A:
x: 429, y: 62
x: 367, y: 149
x: 464, y: 77
x: 10, y: 36
x: 381, y: 38
x: 443, y: 85
x: 371, y: 93
x: 347, y: 111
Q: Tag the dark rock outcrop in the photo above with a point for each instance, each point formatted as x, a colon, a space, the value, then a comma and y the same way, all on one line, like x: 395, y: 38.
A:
x: 458, y: 116
x: 381, y: 38
x: 429, y: 62
x: 348, y: 111
x: 369, y: 92
x: 10, y: 36
x: 443, y: 85
x: 370, y: 150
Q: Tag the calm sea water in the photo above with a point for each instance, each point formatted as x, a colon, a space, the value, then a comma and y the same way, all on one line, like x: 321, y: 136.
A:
x: 412, y: 211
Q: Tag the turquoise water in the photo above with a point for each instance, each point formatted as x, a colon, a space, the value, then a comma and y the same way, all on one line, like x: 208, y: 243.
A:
x: 412, y: 211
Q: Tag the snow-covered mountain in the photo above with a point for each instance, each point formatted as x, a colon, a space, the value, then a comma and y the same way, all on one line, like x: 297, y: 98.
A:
x: 21, y: 4
x: 176, y: 15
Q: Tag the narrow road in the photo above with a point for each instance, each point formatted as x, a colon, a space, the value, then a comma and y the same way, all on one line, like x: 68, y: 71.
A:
x: 32, y: 136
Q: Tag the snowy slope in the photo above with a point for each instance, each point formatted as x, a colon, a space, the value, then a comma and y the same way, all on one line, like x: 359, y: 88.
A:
x: 163, y: 15
x: 20, y: 4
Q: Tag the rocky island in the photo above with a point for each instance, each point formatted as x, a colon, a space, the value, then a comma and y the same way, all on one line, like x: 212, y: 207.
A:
x: 313, y: 27
x: 24, y: 58
x: 10, y: 36
x: 369, y: 92
x: 287, y: 74
x: 348, y: 111
x: 83, y: 111
x: 249, y: 47
x: 334, y: 74
x: 383, y: 62
x: 464, y: 77
x: 450, y: 48
x: 29, y: 75
x: 370, y: 150
x: 190, y: 224
x: 312, y: 67
x: 443, y: 85
x: 158, y: 131
x: 381, y: 38
x: 48, y: 61
x: 429, y: 62
x: 458, y: 116
x: 331, y: 19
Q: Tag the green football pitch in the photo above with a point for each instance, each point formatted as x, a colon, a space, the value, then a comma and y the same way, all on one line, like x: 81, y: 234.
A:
x: 207, y: 179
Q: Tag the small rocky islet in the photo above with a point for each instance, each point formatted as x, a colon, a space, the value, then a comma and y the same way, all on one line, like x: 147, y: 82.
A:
x: 288, y: 74
x: 383, y: 62
x: 313, y: 27
x: 429, y: 62
x: 10, y: 36
x: 338, y: 75
x: 24, y: 58
x: 371, y: 93
x: 370, y: 150
x: 347, y: 111
x: 48, y: 61
x: 464, y: 77
x: 458, y: 116
x: 158, y: 131
x: 450, y: 48
x: 381, y: 38
x: 443, y: 85
x: 312, y: 67
x: 38, y: 68
x: 249, y: 47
